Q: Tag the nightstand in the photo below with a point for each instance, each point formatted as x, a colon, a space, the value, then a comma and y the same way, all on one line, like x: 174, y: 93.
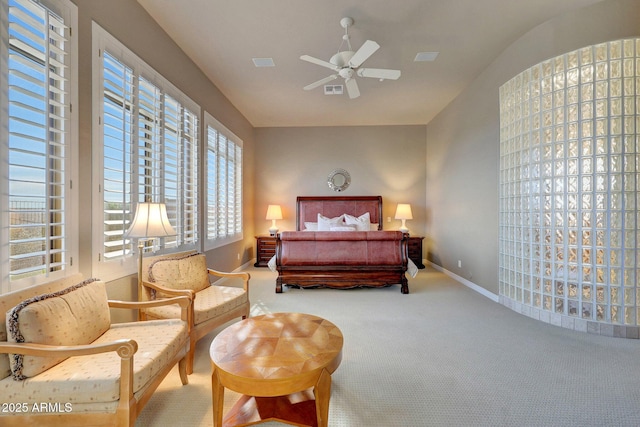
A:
x: 265, y: 250
x: 415, y: 250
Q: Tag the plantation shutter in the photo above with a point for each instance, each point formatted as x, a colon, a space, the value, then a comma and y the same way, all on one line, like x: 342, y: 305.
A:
x: 189, y: 209
x: 224, y: 185
x: 212, y: 184
x: 237, y: 208
x: 119, y: 129
x: 150, y: 154
x: 171, y: 167
x: 38, y: 139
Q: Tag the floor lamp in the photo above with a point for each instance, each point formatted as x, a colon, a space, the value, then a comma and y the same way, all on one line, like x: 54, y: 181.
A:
x: 150, y: 221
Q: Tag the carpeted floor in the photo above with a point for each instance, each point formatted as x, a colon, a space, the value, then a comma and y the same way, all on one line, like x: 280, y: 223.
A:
x: 441, y: 356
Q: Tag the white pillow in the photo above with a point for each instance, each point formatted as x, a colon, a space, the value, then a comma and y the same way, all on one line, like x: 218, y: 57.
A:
x: 362, y: 222
x: 310, y: 226
x: 325, y: 224
x: 344, y: 228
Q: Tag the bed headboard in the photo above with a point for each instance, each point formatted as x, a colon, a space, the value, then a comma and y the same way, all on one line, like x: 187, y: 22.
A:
x: 308, y: 208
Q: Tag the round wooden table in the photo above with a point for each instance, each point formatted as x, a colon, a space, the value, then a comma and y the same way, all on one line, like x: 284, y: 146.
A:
x: 282, y: 364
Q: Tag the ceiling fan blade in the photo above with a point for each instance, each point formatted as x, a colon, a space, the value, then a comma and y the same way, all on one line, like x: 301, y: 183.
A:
x: 352, y: 88
x: 319, y: 62
x: 365, y: 51
x: 321, y: 82
x: 379, y: 73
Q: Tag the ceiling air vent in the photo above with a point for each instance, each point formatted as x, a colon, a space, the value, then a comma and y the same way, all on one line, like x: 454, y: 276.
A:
x: 263, y: 62
x: 333, y: 89
x: 426, y: 56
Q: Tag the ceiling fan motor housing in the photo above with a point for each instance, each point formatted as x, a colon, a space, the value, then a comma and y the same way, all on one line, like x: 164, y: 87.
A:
x: 346, y: 73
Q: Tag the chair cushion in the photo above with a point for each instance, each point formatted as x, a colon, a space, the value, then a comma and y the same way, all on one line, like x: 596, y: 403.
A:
x: 185, y: 272
x: 73, y: 316
x: 95, y: 378
x: 11, y: 299
x: 209, y: 303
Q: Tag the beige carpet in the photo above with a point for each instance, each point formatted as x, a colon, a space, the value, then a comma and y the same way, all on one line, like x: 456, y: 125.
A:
x: 441, y: 356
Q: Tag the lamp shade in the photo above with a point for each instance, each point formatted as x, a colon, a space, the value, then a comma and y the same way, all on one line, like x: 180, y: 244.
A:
x: 150, y: 220
x: 403, y: 211
x: 274, y: 212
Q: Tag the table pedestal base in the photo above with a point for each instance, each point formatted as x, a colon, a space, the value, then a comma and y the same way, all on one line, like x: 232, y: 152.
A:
x: 298, y: 409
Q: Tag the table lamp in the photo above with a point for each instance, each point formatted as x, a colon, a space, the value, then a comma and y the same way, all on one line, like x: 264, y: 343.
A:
x: 150, y: 221
x: 403, y: 212
x: 274, y: 212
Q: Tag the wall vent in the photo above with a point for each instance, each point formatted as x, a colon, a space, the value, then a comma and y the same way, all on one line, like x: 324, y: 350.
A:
x: 333, y: 89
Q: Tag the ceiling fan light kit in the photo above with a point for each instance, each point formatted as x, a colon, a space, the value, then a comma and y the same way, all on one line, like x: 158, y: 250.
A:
x: 346, y: 64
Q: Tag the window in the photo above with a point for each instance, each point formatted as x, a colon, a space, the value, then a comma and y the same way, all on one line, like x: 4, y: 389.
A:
x: 224, y: 184
x: 149, y: 138
x: 38, y: 141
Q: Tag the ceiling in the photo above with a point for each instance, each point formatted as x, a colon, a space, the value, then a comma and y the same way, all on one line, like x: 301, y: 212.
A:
x: 222, y: 37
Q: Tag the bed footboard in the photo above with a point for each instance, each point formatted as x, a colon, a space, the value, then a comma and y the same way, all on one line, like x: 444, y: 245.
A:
x: 342, y: 260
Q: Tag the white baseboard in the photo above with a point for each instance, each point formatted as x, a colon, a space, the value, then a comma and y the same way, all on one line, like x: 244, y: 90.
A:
x: 245, y: 265
x: 479, y: 289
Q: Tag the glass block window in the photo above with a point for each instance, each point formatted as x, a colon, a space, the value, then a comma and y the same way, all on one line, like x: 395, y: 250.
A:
x: 569, y: 172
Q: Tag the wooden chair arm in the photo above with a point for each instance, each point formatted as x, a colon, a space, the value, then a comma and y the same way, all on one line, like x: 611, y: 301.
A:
x: 174, y: 292
x: 124, y: 347
x: 185, y: 303
x: 239, y: 275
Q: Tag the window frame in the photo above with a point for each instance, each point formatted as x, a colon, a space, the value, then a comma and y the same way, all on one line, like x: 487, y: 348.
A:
x: 216, y: 242
x: 68, y: 11
x: 126, y: 263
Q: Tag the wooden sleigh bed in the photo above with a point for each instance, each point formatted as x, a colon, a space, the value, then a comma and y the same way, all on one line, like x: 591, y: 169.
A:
x: 314, y: 256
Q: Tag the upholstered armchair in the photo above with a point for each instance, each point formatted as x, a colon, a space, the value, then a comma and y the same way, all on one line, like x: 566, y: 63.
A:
x: 187, y: 274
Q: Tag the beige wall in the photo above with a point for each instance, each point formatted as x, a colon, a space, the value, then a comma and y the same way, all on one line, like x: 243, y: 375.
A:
x: 463, y: 140
x: 127, y: 21
x: 382, y: 160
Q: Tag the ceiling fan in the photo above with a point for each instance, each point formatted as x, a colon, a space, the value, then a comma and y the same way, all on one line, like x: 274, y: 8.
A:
x: 346, y: 64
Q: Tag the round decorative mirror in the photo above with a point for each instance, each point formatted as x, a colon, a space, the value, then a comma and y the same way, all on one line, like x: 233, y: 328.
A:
x: 339, y: 180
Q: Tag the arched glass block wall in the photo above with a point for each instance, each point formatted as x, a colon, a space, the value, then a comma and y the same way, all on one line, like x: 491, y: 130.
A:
x: 569, y: 181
